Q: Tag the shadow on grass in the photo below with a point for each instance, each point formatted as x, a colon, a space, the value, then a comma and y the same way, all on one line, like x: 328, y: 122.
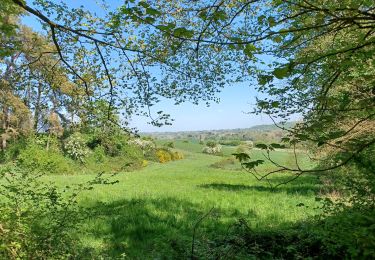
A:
x: 306, y: 185
x: 162, y: 227
x: 153, y: 228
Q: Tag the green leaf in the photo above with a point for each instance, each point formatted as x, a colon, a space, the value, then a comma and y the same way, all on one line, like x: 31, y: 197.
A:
x: 183, y: 32
x: 166, y: 27
x: 262, y: 146
x: 277, y: 39
x: 281, y: 72
x: 279, y: 146
x: 275, y: 104
x: 271, y: 21
x: 150, y: 19
x: 302, y: 137
x: 241, y: 156
x: 152, y: 11
x: 249, y: 49
x: 144, y: 4
x: 203, y: 15
x: 219, y: 15
x: 252, y: 164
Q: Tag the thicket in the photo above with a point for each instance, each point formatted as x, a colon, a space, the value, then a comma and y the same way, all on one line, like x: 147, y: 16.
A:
x: 165, y: 155
x: 212, y: 147
x: 39, y: 220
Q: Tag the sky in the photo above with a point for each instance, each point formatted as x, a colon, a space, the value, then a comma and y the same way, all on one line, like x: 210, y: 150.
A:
x: 231, y: 112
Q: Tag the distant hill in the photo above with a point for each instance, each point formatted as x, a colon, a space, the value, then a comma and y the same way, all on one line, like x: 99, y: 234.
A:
x: 264, y: 133
x: 271, y: 127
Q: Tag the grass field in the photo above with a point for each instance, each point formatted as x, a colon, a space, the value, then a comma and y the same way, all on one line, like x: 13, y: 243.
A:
x: 150, y: 214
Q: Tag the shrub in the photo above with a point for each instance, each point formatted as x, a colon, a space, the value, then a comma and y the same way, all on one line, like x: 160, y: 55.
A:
x: 13, y: 150
x: 230, y: 142
x: 216, y: 150
x: 99, y: 154
x: 177, y: 155
x: 132, y: 152
x: 49, y: 142
x: 36, y: 158
x: 163, y: 155
x: 211, y: 144
x: 166, y: 155
x: 112, y: 143
x: 144, y: 163
x: 169, y: 144
x: 36, y: 220
x: 75, y: 147
x: 145, y: 145
x: 39, y: 220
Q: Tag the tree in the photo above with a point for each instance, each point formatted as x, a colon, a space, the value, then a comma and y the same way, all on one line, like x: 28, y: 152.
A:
x: 301, y: 52
x: 120, y: 47
x: 319, y: 64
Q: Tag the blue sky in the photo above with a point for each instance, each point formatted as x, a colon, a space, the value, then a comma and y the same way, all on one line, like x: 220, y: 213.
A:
x: 231, y: 112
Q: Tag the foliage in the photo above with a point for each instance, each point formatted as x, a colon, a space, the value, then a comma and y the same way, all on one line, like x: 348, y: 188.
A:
x: 36, y: 219
x: 177, y: 155
x: 169, y: 145
x: 144, y: 144
x: 211, y: 144
x: 98, y: 154
x: 39, y: 219
x: 245, y: 147
x: 165, y: 155
x: 214, y: 148
x: 35, y: 158
x: 230, y: 142
x: 75, y: 147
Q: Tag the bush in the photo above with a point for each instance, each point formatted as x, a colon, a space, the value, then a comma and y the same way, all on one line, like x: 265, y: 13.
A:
x: 163, y: 155
x: 145, y: 144
x: 211, y: 144
x: 216, y: 150
x: 169, y: 144
x: 36, y: 158
x: 177, y: 156
x: 13, y: 150
x: 36, y: 220
x: 132, y: 152
x: 113, y: 144
x: 144, y: 163
x: 99, y: 154
x: 166, y: 155
x: 75, y: 147
x: 230, y: 142
x: 39, y: 220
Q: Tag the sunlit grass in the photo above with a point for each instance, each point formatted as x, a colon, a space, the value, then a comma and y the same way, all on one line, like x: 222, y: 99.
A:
x: 150, y: 213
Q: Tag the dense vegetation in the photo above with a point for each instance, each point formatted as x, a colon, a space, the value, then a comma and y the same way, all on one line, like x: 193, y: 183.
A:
x: 67, y: 94
x: 258, y: 134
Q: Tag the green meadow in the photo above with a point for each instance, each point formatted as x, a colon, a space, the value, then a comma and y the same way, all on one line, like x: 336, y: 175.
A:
x: 152, y: 213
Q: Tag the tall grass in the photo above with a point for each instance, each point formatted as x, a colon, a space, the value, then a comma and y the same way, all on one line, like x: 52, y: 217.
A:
x: 151, y: 213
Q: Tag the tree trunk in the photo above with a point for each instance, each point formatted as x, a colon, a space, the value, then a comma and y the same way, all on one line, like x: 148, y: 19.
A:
x: 37, y: 108
x: 5, y: 126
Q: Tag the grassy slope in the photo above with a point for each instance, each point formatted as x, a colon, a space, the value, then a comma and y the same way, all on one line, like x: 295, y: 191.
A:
x: 151, y: 213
